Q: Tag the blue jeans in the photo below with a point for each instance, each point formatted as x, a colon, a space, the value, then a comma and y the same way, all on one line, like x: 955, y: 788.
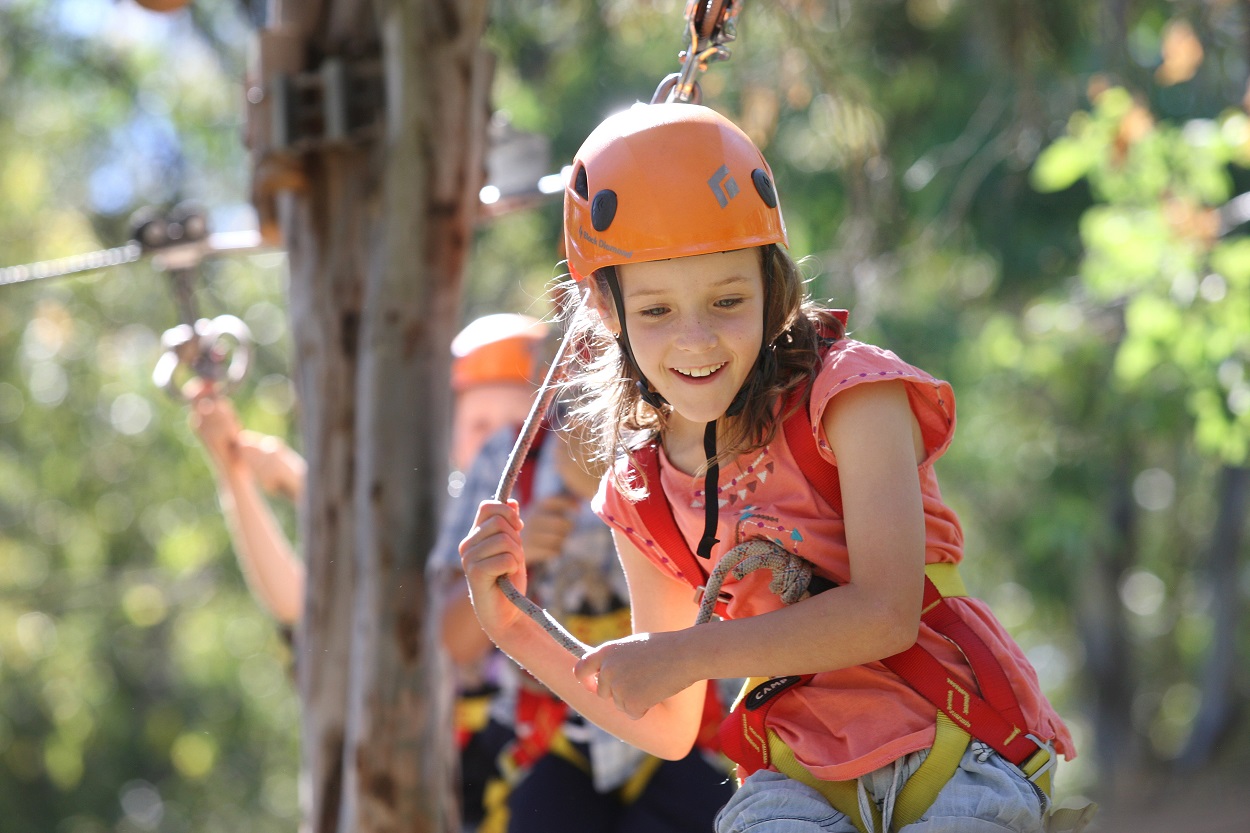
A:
x: 985, y: 795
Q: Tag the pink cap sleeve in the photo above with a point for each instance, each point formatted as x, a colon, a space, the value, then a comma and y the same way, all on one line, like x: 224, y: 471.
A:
x: 850, y: 363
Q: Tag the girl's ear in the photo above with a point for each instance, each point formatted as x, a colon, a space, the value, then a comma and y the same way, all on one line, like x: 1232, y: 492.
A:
x: 602, y: 308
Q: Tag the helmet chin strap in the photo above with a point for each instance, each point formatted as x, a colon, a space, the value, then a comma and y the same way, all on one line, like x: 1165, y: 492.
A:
x: 711, y: 478
x: 711, y: 493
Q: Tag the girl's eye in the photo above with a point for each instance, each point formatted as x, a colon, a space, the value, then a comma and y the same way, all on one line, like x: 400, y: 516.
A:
x: 653, y: 312
x: 728, y: 303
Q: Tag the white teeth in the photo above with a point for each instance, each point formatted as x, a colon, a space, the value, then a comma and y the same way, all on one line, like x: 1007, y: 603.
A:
x: 700, y: 372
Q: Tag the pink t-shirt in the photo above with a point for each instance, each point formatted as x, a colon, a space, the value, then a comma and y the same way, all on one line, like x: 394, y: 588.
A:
x: 849, y: 722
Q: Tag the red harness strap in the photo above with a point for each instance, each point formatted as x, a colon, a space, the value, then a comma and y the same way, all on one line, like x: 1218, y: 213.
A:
x: 659, y: 523
x: 993, y: 715
x: 539, y: 717
x: 744, y: 734
x: 525, y: 477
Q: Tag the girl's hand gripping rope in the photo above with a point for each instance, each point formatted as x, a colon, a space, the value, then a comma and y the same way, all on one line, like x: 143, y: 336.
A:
x: 546, y: 395
x: 635, y: 673
x: 492, y: 551
x: 493, y: 560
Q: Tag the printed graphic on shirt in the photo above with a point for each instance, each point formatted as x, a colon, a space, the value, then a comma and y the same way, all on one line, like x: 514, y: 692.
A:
x: 741, y: 487
x: 753, y: 525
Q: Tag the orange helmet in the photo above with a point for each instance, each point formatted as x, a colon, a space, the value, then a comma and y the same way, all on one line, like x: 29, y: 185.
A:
x: 666, y: 180
x: 501, y: 348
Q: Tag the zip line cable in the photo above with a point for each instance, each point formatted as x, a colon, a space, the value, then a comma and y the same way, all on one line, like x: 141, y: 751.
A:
x: 72, y: 265
x: 229, y: 242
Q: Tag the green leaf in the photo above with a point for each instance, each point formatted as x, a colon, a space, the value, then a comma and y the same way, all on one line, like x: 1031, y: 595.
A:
x: 1061, y: 165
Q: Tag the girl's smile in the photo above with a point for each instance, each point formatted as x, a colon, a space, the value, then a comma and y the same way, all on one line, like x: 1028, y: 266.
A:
x: 699, y: 372
x: 696, y: 325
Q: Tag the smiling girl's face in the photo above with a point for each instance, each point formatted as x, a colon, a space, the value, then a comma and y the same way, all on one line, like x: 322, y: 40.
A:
x: 696, y: 325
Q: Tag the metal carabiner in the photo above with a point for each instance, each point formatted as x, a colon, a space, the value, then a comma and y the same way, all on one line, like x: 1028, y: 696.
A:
x: 710, y: 24
x: 217, y: 351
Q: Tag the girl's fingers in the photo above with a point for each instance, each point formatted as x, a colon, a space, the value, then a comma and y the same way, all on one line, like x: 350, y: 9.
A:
x: 587, y: 673
x: 510, y: 511
x: 493, y: 547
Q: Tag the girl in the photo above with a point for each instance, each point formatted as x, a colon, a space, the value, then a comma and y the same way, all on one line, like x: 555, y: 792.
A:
x: 884, y: 697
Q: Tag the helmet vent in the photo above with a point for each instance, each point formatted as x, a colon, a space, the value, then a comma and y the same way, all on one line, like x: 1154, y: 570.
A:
x: 579, y: 183
x: 764, y: 184
x: 603, y: 210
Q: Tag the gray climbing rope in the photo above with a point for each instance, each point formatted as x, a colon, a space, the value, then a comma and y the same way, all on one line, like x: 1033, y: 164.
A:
x: 791, y: 574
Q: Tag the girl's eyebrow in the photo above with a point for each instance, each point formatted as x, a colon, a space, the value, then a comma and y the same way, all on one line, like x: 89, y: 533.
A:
x: 723, y: 282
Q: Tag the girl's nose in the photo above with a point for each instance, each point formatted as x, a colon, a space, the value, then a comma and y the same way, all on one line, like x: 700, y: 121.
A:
x: 695, y: 334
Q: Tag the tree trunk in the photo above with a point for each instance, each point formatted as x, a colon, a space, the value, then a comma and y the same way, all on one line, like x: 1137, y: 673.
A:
x: 377, y: 241
x: 1104, y: 634
x: 325, y: 301
x: 1219, y: 677
x: 399, y: 742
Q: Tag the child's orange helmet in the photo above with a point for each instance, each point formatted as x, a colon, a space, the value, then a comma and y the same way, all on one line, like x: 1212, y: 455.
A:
x: 498, y: 349
x: 666, y: 180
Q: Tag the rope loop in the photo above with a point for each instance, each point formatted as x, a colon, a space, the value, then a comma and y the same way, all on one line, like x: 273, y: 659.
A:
x: 791, y: 574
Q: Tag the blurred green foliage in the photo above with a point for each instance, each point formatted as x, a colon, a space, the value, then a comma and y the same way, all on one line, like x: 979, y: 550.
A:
x: 1005, y: 194
x: 140, y: 686
x: 1157, y: 244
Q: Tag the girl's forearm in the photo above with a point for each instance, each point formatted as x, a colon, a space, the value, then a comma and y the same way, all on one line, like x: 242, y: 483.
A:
x: 804, y: 638
x: 462, y: 636
x: 667, y: 730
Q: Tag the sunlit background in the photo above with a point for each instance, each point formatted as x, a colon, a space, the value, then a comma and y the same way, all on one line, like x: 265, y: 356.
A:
x: 1034, y: 200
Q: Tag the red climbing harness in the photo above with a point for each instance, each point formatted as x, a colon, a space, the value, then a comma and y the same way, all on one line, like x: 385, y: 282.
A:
x: 992, y: 715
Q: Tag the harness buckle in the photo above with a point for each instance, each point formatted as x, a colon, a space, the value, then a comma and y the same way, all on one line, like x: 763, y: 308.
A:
x: 1043, y: 746
x: 701, y: 591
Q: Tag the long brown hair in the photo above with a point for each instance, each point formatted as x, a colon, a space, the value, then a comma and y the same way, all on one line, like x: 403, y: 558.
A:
x: 602, y: 383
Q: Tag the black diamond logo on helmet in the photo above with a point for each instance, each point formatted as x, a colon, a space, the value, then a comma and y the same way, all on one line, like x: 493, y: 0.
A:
x: 723, y: 186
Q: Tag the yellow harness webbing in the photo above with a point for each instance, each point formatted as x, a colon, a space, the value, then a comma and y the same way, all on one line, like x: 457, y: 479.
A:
x: 918, y: 794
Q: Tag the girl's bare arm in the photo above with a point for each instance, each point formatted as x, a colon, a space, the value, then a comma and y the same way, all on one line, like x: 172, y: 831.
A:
x: 668, y: 729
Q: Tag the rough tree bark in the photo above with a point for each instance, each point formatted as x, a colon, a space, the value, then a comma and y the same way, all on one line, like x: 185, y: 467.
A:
x: 377, y: 237
x: 399, y: 744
